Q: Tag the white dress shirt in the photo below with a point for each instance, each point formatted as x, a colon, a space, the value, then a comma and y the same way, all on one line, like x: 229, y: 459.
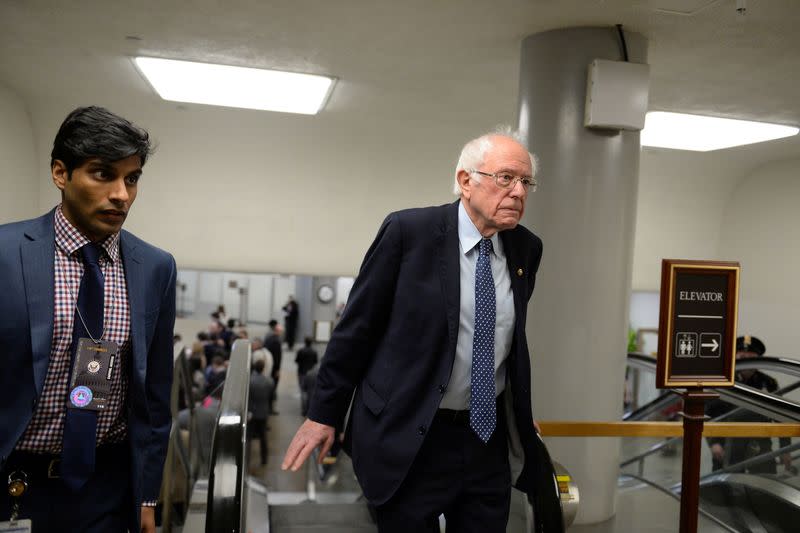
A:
x: 457, y: 394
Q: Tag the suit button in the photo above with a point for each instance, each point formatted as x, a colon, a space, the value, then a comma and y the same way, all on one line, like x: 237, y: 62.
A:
x: 33, y: 403
x: 421, y: 430
x: 442, y: 388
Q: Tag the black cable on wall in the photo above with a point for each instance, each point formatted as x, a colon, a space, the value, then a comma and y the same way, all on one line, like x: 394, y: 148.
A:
x: 622, y: 42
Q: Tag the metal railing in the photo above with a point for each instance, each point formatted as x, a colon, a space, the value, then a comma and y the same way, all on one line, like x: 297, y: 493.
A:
x: 771, y: 405
x: 227, y: 491
x: 181, y: 461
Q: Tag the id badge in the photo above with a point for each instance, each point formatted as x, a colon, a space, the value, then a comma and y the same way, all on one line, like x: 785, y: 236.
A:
x: 16, y: 526
x: 90, y: 385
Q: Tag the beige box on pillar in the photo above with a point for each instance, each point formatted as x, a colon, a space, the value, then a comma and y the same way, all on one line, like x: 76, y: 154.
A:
x: 617, y: 94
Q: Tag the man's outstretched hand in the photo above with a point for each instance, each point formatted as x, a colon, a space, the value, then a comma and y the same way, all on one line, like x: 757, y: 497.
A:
x: 310, y: 435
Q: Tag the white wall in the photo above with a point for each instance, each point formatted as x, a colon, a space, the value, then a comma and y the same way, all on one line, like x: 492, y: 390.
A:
x: 761, y: 230
x: 18, y: 180
x: 682, y: 196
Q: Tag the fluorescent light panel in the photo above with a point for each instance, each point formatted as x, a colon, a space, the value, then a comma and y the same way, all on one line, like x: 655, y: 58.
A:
x: 702, y: 134
x: 223, y: 85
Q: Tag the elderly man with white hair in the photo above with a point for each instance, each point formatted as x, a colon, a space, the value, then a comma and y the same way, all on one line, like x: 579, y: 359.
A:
x: 431, y: 354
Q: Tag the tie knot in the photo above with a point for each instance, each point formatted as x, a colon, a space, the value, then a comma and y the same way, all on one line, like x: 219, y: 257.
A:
x: 485, y: 247
x: 91, y: 253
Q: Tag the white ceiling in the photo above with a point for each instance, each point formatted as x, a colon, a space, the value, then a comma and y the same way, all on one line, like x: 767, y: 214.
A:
x: 411, y: 60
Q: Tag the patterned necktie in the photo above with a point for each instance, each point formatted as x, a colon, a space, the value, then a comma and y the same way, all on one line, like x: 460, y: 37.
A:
x: 483, y: 410
x: 80, y: 426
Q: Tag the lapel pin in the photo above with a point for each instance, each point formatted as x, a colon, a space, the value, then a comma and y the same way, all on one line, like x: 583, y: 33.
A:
x: 519, y: 272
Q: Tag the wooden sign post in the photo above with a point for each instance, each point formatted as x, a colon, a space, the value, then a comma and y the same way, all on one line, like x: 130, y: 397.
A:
x: 696, y: 349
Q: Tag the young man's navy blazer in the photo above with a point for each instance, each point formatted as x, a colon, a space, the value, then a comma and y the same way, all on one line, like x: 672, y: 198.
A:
x: 26, y: 329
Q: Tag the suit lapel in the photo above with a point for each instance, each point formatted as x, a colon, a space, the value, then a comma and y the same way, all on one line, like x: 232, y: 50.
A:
x: 516, y: 273
x: 37, y: 253
x: 135, y: 280
x: 450, y: 270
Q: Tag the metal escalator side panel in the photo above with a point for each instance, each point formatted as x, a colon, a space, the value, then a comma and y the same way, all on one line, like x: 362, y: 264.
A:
x: 756, y: 503
x: 227, y: 494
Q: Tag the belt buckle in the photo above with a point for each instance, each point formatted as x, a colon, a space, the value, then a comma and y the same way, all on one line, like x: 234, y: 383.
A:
x: 53, y: 469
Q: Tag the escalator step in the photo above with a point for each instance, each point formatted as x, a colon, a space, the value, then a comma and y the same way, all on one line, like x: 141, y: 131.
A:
x: 313, y: 517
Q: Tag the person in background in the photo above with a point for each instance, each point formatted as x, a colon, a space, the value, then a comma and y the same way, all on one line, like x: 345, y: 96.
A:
x: 215, y: 373
x: 262, y: 354
x: 260, y: 392
x: 272, y: 342
x: 219, y: 315
x: 729, y: 451
x: 306, y: 358
x: 291, y: 315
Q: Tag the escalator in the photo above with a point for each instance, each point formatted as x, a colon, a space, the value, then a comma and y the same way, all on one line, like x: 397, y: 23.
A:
x: 736, y: 496
x: 218, y: 495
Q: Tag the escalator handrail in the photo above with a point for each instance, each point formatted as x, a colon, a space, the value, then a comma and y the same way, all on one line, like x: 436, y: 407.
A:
x: 656, y: 447
x: 651, y: 407
x: 758, y: 459
x: 783, y: 365
x: 755, y: 400
x: 175, y: 448
x: 226, y: 504
x: 755, y: 479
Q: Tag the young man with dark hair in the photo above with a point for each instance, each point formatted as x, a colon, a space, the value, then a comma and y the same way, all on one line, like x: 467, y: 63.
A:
x: 88, y: 315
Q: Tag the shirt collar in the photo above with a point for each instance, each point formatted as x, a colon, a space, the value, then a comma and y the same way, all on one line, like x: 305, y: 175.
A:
x: 70, y: 239
x: 469, y: 236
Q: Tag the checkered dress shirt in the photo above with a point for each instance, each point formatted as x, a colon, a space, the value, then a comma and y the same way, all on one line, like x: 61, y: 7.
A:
x: 45, y: 430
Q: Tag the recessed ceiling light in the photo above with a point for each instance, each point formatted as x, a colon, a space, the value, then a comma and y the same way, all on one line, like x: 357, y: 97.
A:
x: 702, y: 134
x: 223, y: 85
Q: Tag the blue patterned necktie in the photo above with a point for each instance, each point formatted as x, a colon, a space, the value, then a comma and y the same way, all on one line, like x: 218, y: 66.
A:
x: 80, y: 426
x: 482, y: 406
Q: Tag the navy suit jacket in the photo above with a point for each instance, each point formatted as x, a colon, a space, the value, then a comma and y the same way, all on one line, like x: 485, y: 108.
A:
x: 395, y: 345
x: 26, y: 330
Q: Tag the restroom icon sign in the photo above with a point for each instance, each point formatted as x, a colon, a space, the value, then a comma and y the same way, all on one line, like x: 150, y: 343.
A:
x: 685, y: 344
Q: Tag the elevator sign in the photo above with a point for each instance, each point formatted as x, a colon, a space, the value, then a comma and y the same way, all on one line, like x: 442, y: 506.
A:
x: 697, y: 323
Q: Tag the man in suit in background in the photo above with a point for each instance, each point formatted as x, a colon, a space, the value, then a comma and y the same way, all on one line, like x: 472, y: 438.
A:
x: 88, y: 313
x: 291, y: 315
x: 306, y: 358
x: 728, y: 451
x: 432, y: 351
x: 260, y: 392
x: 272, y: 342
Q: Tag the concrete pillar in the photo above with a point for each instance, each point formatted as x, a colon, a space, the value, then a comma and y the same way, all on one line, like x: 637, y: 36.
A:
x: 585, y: 212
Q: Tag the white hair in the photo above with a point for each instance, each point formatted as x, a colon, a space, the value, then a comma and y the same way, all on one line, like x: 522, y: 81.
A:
x: 473, y: 153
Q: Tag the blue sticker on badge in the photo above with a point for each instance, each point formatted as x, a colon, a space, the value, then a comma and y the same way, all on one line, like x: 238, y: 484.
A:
x: 81, y: 396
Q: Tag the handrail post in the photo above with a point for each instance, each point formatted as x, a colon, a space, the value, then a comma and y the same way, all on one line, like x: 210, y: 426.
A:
x: 693, y: 418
